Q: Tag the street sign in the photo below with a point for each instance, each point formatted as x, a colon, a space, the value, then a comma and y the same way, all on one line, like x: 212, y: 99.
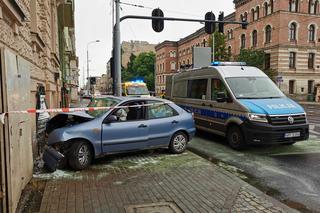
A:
x: 279, y: 79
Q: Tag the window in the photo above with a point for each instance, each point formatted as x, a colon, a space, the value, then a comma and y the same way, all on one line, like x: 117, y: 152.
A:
x: 254, y: 38
x: 310, y: 86
x: 172, y: 54
x: 267, y: 61
x: 180, y: 89
x: 231, y: 32
x: 160, y: 110
x: 130, y: 113
x: 253, y: 15
x: 229, y: 50
x: 216, y: 87
x: 241, y: 17
x: 102, y: 102
x: 293, y: 31
x: 311, y: 60
x: 292, y: 60
x: 292, y: 86
x: 312, y: 31
x: 243, y: 41
x: 268, y: 34
x: 266, y: 11
x: 245, y: 16
x: 293, y: 5
x: 271, y: 6
x: 173, y: 65
x: 313, y: 6
x: 257, y: 12
x: 197, y: 89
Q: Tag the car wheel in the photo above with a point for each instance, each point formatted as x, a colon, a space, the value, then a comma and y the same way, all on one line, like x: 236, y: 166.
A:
x: 178, y: 143
x: 235, y: 137
x: 80, y: 155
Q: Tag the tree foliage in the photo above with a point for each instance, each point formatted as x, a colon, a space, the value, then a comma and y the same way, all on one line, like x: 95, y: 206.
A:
x: 256, y: 58
x: 141, y: 67
x: 220, y: 47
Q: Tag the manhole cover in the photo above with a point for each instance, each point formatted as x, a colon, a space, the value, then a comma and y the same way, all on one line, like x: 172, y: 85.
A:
x: 163, y: 207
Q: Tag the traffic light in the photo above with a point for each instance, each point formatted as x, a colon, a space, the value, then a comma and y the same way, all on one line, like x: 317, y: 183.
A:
x: 157, y: 25
x: 209, y: 26
x: 221, y: 25
x: 92, y: 80
x: 244, y: 25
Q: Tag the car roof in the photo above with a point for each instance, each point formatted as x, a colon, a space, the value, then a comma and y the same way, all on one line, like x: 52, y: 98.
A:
x: 129, y: 98
x: 239, y: 71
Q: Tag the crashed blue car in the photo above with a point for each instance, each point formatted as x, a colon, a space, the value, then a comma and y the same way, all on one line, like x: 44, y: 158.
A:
x: 130, y: 124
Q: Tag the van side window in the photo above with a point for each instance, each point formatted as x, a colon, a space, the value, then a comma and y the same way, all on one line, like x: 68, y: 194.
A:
x: 197, y: 89
x: 180, y: 89
x: 216, y: 87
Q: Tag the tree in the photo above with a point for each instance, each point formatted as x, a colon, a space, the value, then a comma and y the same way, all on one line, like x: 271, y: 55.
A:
x: 255, y: 58
x: 220, y: 47
x: 141, y: 66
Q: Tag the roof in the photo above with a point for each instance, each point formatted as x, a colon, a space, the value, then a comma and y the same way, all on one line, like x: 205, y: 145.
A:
x: 239, y: 71
x: 128, y: 98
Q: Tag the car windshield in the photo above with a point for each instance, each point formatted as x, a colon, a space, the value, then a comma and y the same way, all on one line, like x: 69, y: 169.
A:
x: 254, y: 88
x: 102, y: 102
x: 137, y: 90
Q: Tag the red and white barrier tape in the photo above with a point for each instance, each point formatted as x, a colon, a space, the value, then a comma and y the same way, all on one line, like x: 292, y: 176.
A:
x: 90, y: 109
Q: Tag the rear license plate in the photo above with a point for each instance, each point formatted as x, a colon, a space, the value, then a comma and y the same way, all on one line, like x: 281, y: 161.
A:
x: 292, y: 135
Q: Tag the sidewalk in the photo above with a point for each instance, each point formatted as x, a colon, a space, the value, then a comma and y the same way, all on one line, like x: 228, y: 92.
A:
x: 153, y: 182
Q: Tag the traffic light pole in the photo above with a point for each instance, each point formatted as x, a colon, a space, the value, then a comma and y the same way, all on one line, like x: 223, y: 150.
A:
x: 117, y: 45
x: 117, y: 52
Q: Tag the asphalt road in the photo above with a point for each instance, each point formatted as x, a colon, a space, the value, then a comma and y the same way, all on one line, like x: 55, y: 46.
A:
x: 291, y: 173
x: 313, y: 113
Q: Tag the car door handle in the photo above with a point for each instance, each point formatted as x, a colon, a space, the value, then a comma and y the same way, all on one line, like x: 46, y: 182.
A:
x: 142, y: 126
x: 175, y: 122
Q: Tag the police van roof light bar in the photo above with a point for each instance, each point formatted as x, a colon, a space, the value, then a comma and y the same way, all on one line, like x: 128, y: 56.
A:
x: 219, y: 63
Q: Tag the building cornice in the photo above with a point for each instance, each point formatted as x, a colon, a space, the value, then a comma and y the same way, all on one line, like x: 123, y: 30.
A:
x: 166, y: 44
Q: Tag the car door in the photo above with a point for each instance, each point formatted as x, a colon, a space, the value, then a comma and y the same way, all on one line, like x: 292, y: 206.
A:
x: 129, y: 132
x: 162, y: 122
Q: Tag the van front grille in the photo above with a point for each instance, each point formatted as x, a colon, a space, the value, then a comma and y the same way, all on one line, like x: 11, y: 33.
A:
x: 284, y: 119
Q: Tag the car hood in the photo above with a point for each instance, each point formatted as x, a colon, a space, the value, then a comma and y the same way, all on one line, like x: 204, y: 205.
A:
x: 66, y: 119
x: 276, y: 106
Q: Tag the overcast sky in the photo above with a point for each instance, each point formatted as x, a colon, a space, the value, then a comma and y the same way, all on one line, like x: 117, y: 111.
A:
x: 94, y: 21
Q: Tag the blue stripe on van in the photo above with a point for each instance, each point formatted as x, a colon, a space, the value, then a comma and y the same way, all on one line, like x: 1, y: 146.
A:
x: 212, y: 113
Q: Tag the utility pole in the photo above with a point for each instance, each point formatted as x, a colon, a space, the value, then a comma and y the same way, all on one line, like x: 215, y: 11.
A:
x: 117, y: 51
x: 88, y: 80
x: 213, y: 47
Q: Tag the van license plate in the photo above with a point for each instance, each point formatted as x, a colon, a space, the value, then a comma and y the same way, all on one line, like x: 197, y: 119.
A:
x: 292, y: 135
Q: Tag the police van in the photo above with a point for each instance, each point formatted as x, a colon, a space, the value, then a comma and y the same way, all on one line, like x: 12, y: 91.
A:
x: 239, y: 102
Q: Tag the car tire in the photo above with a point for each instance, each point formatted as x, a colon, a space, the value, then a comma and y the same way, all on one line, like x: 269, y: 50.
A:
x: 80, y: 155
x: 235, y: 138
x: 178, y: 143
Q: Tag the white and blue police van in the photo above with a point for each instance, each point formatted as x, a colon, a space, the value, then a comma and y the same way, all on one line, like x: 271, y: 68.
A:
x: 240, y: 103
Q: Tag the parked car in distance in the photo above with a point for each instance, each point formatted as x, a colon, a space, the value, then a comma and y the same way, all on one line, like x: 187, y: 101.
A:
x: 141, y: 123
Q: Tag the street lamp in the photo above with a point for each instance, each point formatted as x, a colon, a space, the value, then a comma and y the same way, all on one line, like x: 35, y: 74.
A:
x: 88, y: 80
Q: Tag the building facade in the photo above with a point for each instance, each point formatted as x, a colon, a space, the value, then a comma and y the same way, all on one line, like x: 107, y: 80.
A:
x: 288, y: 32
x: 31, y: 37
x: 135, y: 48
x: 172, y: 56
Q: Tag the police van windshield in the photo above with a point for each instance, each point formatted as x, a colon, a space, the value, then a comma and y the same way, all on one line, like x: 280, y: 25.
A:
x: 254, y: 88
x: 137, y: 90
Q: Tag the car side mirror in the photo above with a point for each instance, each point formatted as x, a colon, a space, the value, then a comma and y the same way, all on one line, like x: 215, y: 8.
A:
x: 110, y: 119
x: 221, y: 97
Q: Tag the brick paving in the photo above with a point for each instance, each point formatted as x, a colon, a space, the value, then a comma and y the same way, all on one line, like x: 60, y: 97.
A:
x: 128, y: 183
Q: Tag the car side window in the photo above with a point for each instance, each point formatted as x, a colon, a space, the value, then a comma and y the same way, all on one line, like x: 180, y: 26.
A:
x: 160, y: 111
x: 217, y: 86
x: 133, y: 112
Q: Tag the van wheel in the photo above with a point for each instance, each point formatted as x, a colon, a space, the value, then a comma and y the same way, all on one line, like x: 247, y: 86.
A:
x: 235, y: 137
x: 80, y: 155
x: 178, y: 143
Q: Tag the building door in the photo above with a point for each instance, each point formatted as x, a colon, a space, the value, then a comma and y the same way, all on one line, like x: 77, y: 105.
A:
x: 291, y: 86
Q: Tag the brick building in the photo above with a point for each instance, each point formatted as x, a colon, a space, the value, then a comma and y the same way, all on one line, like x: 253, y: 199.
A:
x: 172, y: 55
x: 135, y: 48
x: 33, y: 63
x: 288, y: 32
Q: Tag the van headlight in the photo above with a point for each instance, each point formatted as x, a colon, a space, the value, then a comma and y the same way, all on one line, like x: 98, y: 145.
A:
x: 258, y: 117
